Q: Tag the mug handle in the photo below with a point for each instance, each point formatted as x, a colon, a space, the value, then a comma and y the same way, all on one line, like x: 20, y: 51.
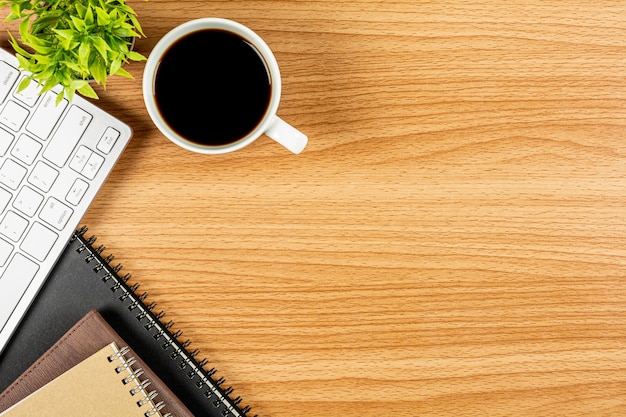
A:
x: 287, y: 135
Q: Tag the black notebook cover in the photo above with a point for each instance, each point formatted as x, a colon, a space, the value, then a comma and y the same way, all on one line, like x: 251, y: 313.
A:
x: 81, y: 281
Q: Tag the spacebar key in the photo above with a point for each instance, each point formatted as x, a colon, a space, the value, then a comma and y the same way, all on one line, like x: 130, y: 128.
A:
x: 13, y: 284
x: 67, y: 136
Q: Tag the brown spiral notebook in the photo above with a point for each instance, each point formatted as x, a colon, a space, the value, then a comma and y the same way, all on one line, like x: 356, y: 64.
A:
x: 85, y: 339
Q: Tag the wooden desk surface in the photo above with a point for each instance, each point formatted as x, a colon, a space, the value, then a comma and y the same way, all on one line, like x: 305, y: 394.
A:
x: 452, y: 242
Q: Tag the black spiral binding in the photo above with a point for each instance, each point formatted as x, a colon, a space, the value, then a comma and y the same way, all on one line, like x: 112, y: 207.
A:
x: 213, y: 388
x: 138, y: 386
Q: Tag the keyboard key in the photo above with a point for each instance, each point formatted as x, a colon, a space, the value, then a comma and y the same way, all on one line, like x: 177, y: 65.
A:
x: 38, y: 241
x: 28, y: 201
x: 80, y: 158
x: 5, y: 141
x: 5, y: 197
x: 12, y: 174
x: 29, y: 95
x: 67, y: 136
x: 13, y: 226
x: 13, y: 115
x: 76, y: 193
x: 46, y: 116
x: 55, y: 213
x: 8, y: 76
x: 26, y: 149
x: 5, y: 251
x: 13, y: 283
x: 108, y: 140
x: 43, y: 176
x: 93, y: 166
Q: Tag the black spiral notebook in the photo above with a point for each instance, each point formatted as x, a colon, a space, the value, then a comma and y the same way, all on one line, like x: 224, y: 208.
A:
x: 82, y: 281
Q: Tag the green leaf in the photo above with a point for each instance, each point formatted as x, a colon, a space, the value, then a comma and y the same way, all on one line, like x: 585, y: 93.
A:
x: 64, y: 78
x: 136, y: 24
x: 69, y: 92
x: 98, y: 70
x: 81, y: 10
x: 24, y: 84
x: 11, y: 17
x: 122, y: 72
x: 40, y: 45
x: 116, y: 64
x: 48, y: 85
x: 88, y: 91
x: 136, y: 56
x: 66, y: 44
x: 23, y: 28
x: 21, y: 52
x: 89, y: 20
x: 83, y: 53
x: 101, y: 46
x: 74, y: 67
x: 24, y: 63
x: 79, y: 24
x: 117, y: 44
x: 64, y: 33
x: 59, y: 98
x: 44, y: 22
x: 46, y: 73
x: 103, y: 17
x: 124, y: 32
x: 43, y: 59
x: 15, y: 9
x: 77, y: 84
x: 18, y: 10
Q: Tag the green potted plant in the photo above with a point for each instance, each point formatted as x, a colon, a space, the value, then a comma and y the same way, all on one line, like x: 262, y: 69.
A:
x: 73, y: 42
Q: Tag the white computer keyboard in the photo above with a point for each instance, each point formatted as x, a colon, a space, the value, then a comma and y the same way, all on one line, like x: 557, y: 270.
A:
x: 53, y: 160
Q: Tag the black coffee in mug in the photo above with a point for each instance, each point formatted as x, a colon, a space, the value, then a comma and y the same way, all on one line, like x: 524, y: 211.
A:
x: 212, y: 87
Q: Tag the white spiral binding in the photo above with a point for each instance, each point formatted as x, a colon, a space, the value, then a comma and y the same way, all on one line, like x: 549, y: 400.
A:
x: 127, y: 364
x: 133, y: 377
x: 119, y: 354
x: 138, y: 385
x: 147, y: 398
x: 156, y: 409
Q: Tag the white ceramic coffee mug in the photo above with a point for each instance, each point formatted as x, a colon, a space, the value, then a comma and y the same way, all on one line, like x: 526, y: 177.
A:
x: 270, y: 124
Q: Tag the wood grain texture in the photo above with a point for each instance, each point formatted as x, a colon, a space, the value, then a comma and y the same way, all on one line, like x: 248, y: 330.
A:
x: 452, y: 242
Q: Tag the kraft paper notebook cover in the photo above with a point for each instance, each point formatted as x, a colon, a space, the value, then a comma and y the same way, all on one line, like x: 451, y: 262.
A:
x: 104, y: 384
x: 83, y: 340
x: 82, y: 281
